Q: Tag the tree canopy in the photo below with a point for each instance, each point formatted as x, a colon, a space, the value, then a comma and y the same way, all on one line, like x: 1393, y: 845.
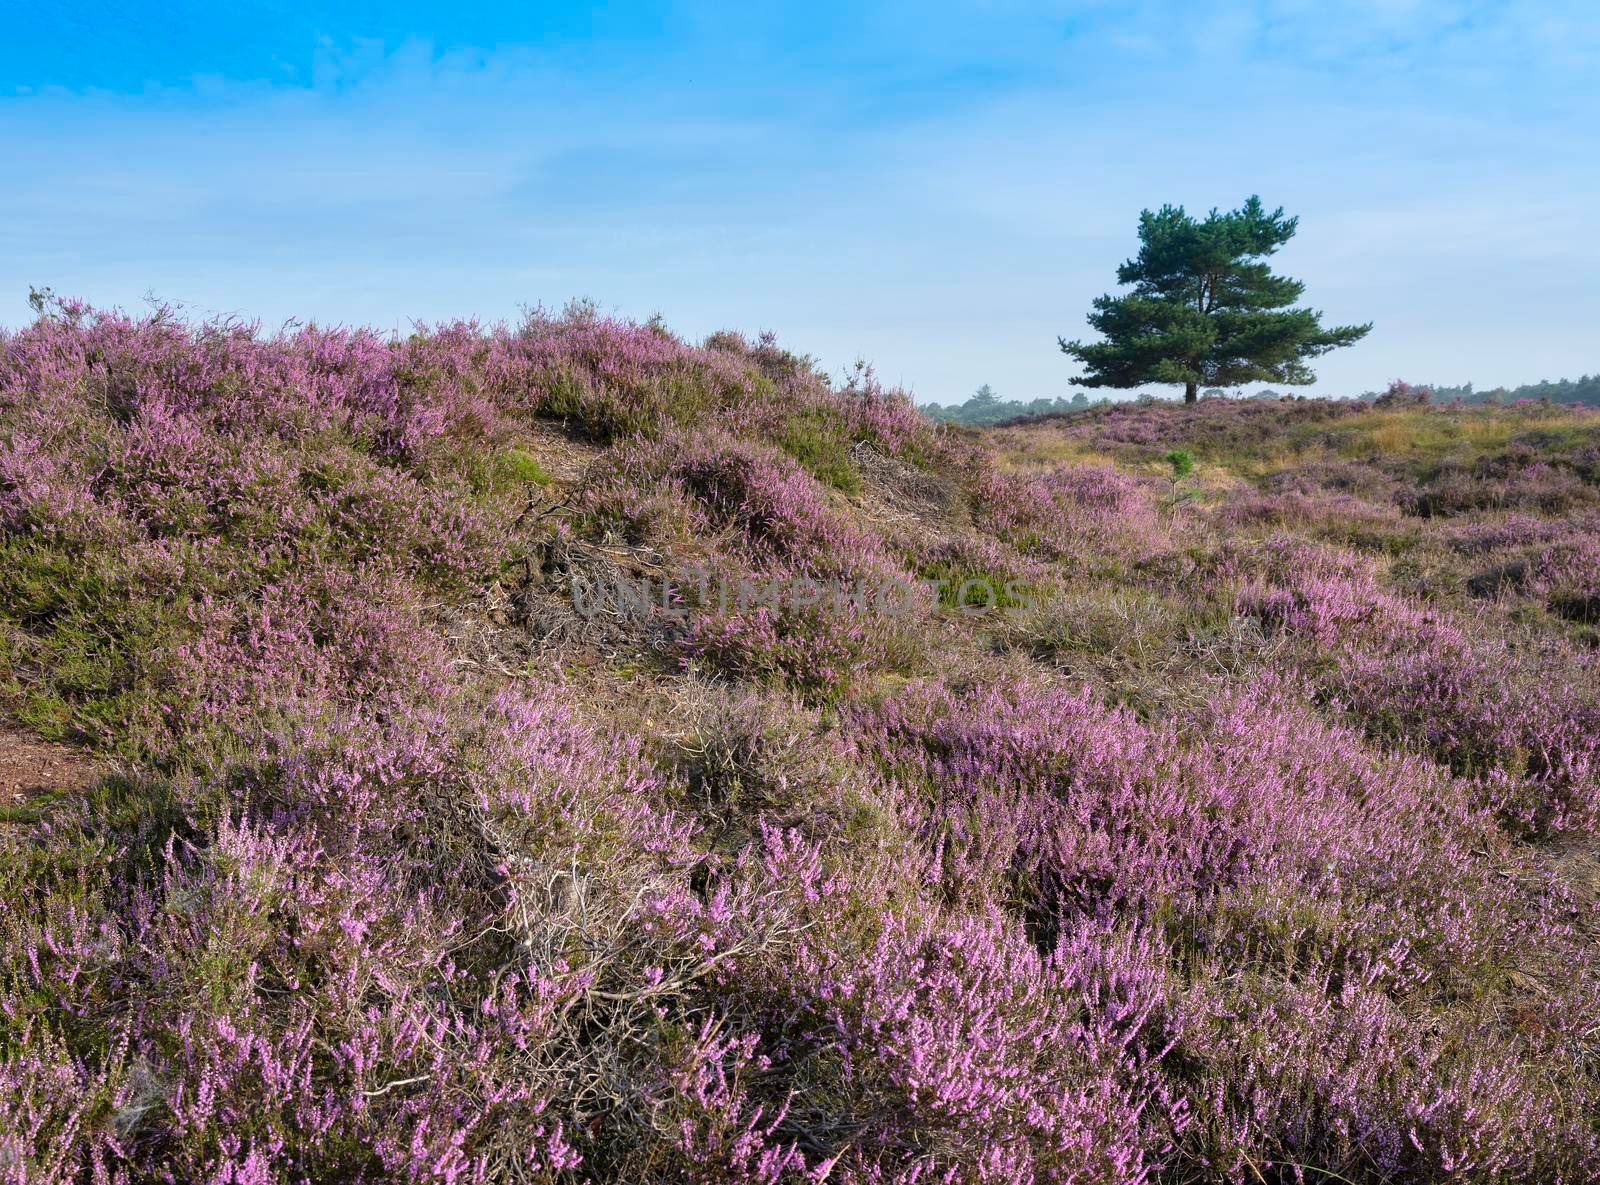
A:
x: 1206, y: 308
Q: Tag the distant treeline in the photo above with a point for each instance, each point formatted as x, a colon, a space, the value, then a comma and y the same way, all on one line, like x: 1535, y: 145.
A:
x: 985, y: 407
x: 1584, y: 390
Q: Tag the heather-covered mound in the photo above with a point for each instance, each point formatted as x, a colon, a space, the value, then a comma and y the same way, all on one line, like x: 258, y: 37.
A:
x: 1228, y: 812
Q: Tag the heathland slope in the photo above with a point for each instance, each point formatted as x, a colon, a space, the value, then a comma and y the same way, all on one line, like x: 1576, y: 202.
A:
x: 563, y: 752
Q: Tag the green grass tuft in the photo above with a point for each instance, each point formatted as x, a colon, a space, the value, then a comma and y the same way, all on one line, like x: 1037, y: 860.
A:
x: 521, y: 465
x: 821, y: 444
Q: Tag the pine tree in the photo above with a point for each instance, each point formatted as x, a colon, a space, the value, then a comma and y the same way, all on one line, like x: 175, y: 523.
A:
x: 1205, y: 308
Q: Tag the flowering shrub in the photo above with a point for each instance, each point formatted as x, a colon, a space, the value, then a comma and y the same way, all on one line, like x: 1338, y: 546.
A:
x: 1515, y: 530
x: 1262, y: 851
x: 1066, y: 512
x: 1456, y: 491
x: 1264, y: 848
x: 762, y: 503
x: 1567, y: 576
x: 966, y: 1051
x: 616, y: 379
x: 820, y: 647
x: 1330, y: 511
x: 1527, y: 729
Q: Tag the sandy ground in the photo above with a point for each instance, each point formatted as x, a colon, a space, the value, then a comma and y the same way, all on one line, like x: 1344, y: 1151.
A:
x: 29, y: 768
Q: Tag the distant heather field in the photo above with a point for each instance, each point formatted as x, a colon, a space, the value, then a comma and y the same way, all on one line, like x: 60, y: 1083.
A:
x: 1251, y: 837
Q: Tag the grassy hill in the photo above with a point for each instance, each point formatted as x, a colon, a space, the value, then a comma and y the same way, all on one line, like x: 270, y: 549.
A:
x: 561, y: 752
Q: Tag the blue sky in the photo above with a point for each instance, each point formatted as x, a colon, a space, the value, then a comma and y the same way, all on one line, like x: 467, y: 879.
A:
x: 938, y: 189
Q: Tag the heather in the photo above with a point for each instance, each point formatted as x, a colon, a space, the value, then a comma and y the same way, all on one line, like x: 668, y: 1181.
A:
x: 1247, y: 835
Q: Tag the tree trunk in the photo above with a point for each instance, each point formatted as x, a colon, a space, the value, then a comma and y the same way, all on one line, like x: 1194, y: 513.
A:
x: 1191, y: 392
